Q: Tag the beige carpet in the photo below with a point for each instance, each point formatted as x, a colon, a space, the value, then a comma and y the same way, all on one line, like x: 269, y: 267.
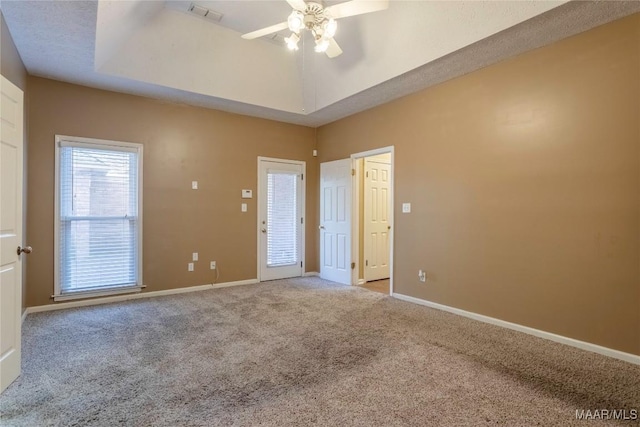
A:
x: 296, y: 353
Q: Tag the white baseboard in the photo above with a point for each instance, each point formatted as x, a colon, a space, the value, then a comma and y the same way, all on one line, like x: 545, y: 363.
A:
x: 236, y: 283
x: 24, y: 314
x: 310, y: 273
x: 95, y: 294
x: 119, y: 298
x: 361, y: 282
x: 627, y: 357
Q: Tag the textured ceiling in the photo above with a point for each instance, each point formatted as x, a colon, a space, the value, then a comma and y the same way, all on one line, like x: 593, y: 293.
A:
x: 158, y: 49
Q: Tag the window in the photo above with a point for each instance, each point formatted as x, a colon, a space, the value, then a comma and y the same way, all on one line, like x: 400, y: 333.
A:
x: 98, y: 226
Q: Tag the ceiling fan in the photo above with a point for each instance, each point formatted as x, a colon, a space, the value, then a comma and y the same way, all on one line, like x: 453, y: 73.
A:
x: 320, y: 21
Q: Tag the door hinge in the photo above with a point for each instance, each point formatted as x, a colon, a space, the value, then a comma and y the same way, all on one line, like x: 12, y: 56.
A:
x: 353, y: 172
x: 367, y: 174
x: 300, y: 263
x: 302, y: 176
x: 366, y: 263
x: 353, y: 265
x: 301, y: 220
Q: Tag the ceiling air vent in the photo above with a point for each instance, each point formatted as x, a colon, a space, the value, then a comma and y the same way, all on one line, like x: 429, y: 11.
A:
x: 205, y: 13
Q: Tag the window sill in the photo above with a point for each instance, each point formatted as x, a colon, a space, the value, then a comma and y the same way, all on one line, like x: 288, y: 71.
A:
x: 97, y: 293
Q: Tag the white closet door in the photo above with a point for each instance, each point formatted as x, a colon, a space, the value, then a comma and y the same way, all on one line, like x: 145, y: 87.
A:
x: 11, y: 154
x: 335, y: 221
x: 377, y: 202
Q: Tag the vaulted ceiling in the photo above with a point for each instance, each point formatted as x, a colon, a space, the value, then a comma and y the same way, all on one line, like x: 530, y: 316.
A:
x: 162, y: 50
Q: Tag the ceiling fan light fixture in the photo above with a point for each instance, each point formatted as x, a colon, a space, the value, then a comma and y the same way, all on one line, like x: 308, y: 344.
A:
x: 292, y: 41
x: 329, y: 28
x: 296, y: 21
x: 322, y: 45
x: 320, y: 21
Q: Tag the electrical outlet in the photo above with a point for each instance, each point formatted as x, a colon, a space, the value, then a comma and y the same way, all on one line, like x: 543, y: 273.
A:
x: 190, y: 266
x: 212, y: 266
x: 194, y: 256
x: 422, y: 276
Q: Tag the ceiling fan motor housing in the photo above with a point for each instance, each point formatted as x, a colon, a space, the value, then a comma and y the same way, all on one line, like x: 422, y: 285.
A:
x: 313, y: 14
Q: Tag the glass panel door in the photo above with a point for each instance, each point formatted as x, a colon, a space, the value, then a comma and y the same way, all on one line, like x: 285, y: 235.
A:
x: 280, y: 219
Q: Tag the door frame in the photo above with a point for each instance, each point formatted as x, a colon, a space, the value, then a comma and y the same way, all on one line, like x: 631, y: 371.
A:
x: 259, y: 211
x: 355, y: 212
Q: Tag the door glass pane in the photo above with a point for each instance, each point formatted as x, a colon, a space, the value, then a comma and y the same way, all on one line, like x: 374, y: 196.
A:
x: 282, y: 219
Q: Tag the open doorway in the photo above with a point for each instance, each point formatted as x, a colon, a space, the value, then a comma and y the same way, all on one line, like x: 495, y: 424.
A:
x: 348, y: 217
x: 372, y: 242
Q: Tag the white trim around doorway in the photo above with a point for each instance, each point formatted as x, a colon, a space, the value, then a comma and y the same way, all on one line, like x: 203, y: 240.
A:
x: 355, y: 223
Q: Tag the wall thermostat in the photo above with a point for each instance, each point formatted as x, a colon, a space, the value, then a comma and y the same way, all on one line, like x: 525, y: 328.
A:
x: 247, y: 194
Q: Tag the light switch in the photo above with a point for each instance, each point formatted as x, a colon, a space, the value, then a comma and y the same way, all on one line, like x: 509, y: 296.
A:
x: 243, y: 207
x: 194, y: 185
x: 406, y: 208
x: 194, y: 256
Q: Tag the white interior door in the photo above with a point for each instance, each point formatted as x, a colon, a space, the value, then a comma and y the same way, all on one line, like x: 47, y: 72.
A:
x: 377, y: 202
x: 280, y: 218
x: 335, y: 221
x: 11, y: 152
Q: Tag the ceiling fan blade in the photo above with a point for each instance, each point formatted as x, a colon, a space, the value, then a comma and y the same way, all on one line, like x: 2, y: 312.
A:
x: 356, y: 7
x: 263, y: 32
x: 297, y: 4
x: 334, y: 49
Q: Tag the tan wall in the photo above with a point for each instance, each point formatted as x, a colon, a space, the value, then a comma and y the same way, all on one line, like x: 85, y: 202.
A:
x: 524, y: 179
x: 11, y: 65
x: 181, y: 144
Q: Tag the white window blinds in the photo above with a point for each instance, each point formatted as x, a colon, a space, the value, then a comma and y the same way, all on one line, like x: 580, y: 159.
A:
x: 98, y: 235
x: 282, y: 219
